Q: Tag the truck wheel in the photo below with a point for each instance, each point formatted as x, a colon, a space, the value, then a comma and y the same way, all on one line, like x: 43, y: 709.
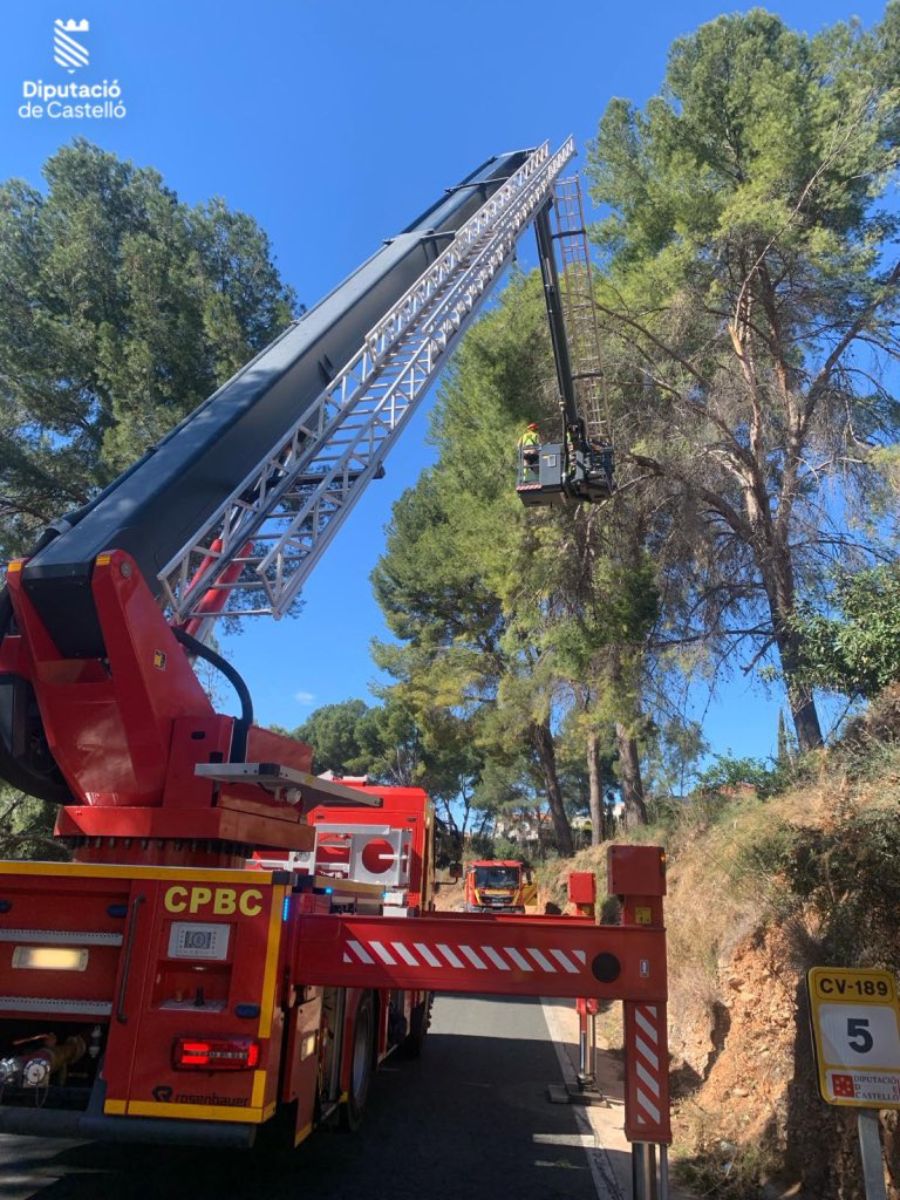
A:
x: 419, y: 1021
x: 360, y: 1065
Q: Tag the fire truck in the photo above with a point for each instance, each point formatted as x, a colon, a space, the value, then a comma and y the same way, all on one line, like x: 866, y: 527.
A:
x: 235, y: 943
x: 497, y: 885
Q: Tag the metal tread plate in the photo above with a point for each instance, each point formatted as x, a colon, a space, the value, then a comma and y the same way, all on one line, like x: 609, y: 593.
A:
x: 55, y: 1004
x: 62, y: 937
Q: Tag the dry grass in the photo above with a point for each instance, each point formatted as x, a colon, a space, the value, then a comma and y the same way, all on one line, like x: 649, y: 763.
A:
x: 738, y: 944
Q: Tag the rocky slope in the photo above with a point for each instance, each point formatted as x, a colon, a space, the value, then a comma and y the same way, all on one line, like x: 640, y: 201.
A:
x: 759, y: 891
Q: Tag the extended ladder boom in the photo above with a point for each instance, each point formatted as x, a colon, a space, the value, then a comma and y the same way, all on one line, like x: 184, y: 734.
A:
x: 243, y: 496
x: 229, y: 514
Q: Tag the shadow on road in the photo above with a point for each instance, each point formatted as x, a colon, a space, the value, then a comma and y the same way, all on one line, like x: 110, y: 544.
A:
x: 469, y: 1119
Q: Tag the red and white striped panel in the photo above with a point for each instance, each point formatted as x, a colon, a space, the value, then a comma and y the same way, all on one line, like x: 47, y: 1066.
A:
x: 434, y: 955
x: 646, y: 1073
x: 504, y: 956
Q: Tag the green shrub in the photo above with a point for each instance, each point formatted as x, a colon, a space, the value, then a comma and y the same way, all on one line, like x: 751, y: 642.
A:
x: 767, y: 856
x: 664, y: 812
x: 850, y: 874
x: 729, y: 774
x: 857, y: 652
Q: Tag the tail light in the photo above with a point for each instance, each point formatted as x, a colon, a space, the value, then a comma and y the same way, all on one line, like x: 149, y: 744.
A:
x: 215, y: 1054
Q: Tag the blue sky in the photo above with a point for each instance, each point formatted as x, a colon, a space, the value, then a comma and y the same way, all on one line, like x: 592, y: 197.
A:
x: 334, y: 123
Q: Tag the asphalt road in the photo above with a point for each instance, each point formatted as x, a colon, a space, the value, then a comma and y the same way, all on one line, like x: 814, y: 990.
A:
x: 469, y: 1119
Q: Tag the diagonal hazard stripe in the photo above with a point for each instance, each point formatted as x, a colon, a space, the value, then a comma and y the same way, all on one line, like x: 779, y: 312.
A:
x: 384, y: 954
x: 647, y: 1053
x: 495, y: 958
x: 409, y: 958
x: 473, y: 958
x: 482, y: 958
x: 542, y: 961
x: 427, y: 955
x: 648, y: 1026
x: 647, y: 1104
x: 565, y: 962
x: 645, y: 1076
x: 449, y: 955
x: 361, y: 952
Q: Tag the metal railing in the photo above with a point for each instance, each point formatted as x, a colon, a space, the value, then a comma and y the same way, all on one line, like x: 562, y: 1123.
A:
x: 579, y: 307
x: 278, y: 521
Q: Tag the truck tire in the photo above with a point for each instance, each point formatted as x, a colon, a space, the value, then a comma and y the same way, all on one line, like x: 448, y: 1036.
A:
x: 361, y: 1065
x: 419, y: 1021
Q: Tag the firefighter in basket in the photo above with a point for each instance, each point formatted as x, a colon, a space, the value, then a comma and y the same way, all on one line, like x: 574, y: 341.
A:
x: 529, y: 452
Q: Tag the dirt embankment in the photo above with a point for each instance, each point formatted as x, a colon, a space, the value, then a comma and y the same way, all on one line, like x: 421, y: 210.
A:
x: 450, y: 897
x: 748, y: 1120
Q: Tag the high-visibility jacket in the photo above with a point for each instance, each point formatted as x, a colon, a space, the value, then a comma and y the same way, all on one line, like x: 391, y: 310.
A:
x: 529, y: 438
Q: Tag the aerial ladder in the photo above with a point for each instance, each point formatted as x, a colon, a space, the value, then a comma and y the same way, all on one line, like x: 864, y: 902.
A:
x: 202, y: 844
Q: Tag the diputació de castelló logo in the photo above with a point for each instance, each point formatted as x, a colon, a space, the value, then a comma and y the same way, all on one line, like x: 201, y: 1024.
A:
x: 67, y: 52
x: 97, y: 101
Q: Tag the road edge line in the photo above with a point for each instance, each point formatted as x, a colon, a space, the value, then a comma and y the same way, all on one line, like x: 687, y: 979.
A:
x: 603, y: 1174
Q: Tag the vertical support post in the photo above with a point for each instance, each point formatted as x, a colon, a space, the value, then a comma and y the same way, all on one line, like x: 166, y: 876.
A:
x: 584, y: 1069
x: 646, y: 1073
x: 870, y: 1153
x: 587, y: 1042
x: 582, y: 889
x: 643, y: 1171
x: 637, y: 877
x: 664, y: 1172
x: 592, y: 1045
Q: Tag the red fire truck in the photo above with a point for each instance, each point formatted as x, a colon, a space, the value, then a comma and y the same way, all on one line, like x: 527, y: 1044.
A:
x: 496, y: 885
x: 235, y: 942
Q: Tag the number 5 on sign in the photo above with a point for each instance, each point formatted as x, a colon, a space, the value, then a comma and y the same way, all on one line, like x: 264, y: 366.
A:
x: 856, y: 1033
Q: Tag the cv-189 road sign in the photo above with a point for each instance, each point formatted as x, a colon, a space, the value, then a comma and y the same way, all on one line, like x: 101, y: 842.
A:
x: 856, y: 1033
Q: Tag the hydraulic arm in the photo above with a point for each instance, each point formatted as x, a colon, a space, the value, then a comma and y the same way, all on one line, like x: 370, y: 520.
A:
x: 579, y: 466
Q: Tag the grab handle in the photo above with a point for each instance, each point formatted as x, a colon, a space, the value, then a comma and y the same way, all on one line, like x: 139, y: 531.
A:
x: 121, y: 1014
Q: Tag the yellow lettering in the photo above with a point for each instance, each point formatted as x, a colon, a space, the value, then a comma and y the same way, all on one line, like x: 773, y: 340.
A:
x: 199, y: 897
x: 176, y: 899
x: 224, y: 902
x: 250, y: 902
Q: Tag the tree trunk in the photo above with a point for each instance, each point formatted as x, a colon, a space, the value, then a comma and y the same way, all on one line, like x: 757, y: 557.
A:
x: 542, y: 742
x: 778, y: 580
x: 630, y: 778
x: 595, y: 789
x: 539, y: 830
x: 800, y: 697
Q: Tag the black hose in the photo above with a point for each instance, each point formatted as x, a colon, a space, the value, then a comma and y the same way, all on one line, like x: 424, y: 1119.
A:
x: 245, y: 720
